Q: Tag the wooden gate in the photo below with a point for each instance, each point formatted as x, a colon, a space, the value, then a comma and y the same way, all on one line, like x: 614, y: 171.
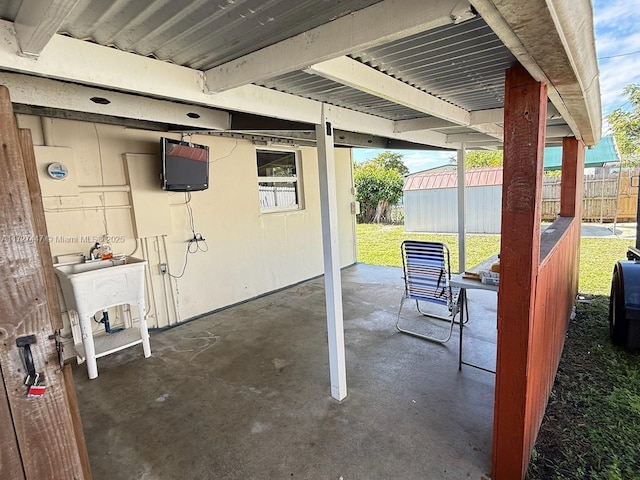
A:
x: 41, y: 436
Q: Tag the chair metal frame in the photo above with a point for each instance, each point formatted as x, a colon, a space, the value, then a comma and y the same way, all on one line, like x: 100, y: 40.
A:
x: 427, y: 275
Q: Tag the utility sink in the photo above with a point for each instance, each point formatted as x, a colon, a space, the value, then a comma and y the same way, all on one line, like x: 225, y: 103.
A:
x: 95, y: 285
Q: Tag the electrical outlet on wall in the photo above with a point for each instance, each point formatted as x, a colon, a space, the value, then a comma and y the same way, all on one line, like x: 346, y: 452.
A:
x: 163, y: 268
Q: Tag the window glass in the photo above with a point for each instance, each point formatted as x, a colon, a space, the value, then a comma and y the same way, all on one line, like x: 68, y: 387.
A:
x: 276, y: 164
x: 278, y: 180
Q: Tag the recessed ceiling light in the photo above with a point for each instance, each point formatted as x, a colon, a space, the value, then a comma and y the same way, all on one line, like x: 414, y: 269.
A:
x: 100, y: 100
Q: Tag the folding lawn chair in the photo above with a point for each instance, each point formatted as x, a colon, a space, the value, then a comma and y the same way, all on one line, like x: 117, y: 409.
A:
x: 427, y: 274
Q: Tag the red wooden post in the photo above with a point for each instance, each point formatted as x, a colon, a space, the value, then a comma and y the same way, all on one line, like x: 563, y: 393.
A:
x: 571, y: 189
x: 525, y: 111
x: 572, y: 173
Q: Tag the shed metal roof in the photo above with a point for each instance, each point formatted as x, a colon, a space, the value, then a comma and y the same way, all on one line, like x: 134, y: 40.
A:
x: 476, y: 177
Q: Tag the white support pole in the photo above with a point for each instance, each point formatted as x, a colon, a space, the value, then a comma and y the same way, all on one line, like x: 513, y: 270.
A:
x: 462, y: 209
x: 331, y: 252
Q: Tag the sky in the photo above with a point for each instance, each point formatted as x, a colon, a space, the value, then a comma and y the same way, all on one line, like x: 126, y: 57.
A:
x: 617, y: 28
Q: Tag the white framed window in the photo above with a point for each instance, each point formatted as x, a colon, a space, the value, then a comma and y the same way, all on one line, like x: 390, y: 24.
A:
x: 279, y: 185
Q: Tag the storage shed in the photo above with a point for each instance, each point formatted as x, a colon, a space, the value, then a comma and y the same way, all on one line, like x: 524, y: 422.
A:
x: 431, y: 198
x: 431, y: 201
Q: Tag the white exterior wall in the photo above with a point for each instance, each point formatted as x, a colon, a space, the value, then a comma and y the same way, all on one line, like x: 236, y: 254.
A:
x: 436, y: 210
x: 250, y: 253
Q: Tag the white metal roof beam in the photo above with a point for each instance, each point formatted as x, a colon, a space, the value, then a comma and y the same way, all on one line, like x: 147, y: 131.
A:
x: 558, y: 131
x: 47, y: 93
x: 355, y: 74
x: 37, y: 22
x: 490, y: 144
x: 494, y: 115
x: 478, y: 117
x: 425, y: 123
x: 553, y: 131
x: 380, y: 23
x: 469, y: 138
x: 89, y: 64
x: 491, y: 129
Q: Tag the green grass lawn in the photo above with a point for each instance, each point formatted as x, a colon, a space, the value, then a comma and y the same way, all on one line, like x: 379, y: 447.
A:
x: 380, y: 245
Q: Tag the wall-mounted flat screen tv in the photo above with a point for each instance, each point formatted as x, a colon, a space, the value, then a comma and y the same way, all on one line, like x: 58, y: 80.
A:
x: 185, y: 166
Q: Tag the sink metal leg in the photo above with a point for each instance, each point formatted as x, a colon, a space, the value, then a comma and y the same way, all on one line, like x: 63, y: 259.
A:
x: 144, y: 331
x: 88, y: 345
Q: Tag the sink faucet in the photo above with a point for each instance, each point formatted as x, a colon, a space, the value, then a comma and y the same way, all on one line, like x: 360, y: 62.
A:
x: 94, y: 252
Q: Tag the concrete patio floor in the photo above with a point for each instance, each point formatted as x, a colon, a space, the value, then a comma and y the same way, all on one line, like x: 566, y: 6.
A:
x: 244, y: 394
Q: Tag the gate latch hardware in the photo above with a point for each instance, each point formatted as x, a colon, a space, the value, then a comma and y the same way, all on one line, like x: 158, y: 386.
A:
x: 59, y: 348
x: 34, y: 380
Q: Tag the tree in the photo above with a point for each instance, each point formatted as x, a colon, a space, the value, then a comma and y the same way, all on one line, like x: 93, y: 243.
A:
x: 483, y: 158
x: 492, y: 158
x: 626, y: 125
x: 379, y: 182
x: 391, y: 161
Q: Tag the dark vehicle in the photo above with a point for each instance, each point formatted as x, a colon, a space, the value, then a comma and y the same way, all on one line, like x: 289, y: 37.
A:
x: 624, y: 302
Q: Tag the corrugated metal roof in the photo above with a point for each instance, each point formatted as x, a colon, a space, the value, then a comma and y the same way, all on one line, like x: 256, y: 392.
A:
x: 477, y: 177
x: 334, y: 93
x: 463, y: 64
x: 197, y: 33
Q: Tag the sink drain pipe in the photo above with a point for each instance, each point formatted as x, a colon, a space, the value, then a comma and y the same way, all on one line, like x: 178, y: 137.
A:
x: 107, y: 326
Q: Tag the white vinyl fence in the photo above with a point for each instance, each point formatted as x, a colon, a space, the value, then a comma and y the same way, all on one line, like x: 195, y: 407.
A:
x: 277, y: 196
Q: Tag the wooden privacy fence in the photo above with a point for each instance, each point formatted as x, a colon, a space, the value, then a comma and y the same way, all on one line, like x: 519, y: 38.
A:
x: 603, y: 198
